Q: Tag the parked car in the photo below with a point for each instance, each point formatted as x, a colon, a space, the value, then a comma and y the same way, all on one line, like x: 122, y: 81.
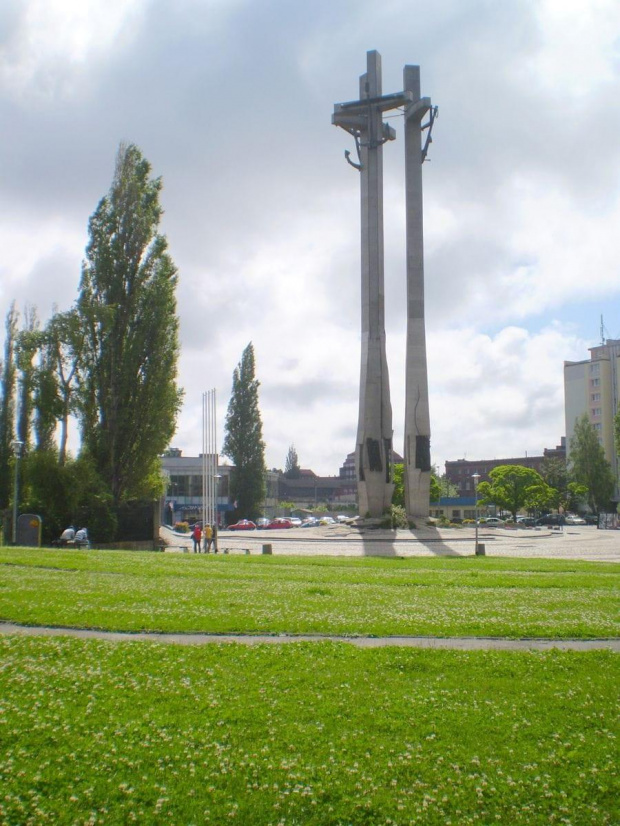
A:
x: 525, y: 522
x: 494, y: 522
x: 590, y: 518
x: 327, y: 520
x: 310, y: 522
x: 280, y: 522
x: 575, y: 520
x: 243, y: 525
x: 263, y: 522
x: 552, y: 519
x: 295, y: 521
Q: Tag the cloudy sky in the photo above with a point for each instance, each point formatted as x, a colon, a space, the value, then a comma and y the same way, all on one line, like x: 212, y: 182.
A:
x: 231, y: 102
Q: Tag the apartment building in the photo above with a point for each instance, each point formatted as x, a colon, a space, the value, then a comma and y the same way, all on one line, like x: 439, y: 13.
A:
x: 591, y: 387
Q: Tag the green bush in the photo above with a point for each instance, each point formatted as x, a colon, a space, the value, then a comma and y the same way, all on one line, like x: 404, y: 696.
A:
x: 396, y: 517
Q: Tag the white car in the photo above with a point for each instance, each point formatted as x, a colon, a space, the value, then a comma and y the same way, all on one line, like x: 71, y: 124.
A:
x: 575, y: 520
x: 494, y: 522
x: 295, y: 521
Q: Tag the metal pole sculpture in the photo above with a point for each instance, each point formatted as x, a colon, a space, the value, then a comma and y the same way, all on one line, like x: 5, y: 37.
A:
x: 363, y: 119
x: 417, y: 474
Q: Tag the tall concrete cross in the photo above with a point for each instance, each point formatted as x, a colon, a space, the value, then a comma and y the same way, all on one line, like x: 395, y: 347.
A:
x: 363, y: 119
x: 417, y: 417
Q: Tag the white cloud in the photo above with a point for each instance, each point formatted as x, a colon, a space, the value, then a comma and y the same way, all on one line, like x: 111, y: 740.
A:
x: 231, y: 102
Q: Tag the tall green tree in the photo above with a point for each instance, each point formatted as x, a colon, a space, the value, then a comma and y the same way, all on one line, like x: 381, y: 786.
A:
x: 243, y: 442
x: 513, y: 487
x: 398, y: 477
x: 65, y: 337
x: 27, y: 345
x: 7, y: 407
x: 291, y: 465
x: 588, y: 465
x: 129, y: 399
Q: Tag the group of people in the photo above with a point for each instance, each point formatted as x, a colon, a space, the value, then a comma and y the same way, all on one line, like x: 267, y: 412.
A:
x: 71, y: 536
x: 208, y: 535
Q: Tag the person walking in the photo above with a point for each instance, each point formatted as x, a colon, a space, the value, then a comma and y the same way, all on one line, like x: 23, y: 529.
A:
x: 208, y: 537
x: 197, y: 536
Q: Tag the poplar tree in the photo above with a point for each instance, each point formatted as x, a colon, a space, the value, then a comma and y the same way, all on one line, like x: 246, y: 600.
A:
x: 7, y: 407
x: 243, y: 442
x: 27, y: 344
x: 129, y: 399
x: 291, y: 465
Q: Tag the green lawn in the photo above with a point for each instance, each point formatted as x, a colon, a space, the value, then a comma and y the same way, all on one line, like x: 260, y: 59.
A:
x: 307, y: 733
x: 260, y: 594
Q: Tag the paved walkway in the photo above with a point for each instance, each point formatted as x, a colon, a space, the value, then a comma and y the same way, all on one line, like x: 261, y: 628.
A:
x: 459, y: 643
x: 574, y: 542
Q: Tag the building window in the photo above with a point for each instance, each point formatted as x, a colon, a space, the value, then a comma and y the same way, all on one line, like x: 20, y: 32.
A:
x: 596, y: 412
x: 597, y: 426
x: 595, y: 382
x: 595, y: 397
x: 595, y: 369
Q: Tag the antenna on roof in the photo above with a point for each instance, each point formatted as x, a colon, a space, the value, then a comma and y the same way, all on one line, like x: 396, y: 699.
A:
x: 602, y: 331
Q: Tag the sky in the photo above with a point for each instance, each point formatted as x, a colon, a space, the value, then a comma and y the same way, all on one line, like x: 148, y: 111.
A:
x: 231, y: 102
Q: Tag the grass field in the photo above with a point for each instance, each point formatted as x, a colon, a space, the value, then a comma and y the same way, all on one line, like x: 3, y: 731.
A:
x: 308, y: 733
x: 256, y: 594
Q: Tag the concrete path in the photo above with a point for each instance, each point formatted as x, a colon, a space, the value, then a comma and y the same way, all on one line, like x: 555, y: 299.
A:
x: 574, y: 542
x: 459, y: 643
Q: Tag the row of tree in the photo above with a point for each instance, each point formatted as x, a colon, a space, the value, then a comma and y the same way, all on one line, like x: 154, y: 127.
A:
x: 110, y: 361
x: 587, y: 479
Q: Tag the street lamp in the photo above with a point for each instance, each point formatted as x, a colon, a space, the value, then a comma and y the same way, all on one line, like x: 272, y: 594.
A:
x: 17, y: 446
x: 216, y: 479
x: 476, y: 478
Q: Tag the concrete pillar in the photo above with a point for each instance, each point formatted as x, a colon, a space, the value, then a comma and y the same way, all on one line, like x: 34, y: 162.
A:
x: 374, y: 430
x: 417, y: 417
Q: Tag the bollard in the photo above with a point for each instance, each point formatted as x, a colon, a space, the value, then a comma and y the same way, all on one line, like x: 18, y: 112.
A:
x: 480, y: 549
x: 267, y: 549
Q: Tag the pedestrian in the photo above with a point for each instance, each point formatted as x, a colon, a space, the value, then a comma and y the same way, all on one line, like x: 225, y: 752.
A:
x: 68, y: 535
x: 208, y: 537
x: 81, y: 538
x: 197, y: 536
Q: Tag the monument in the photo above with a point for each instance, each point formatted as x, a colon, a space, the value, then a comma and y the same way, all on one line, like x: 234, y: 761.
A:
x: 363, y: 119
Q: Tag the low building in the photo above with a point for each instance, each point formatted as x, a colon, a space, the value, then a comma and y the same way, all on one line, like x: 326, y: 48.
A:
x: 454, y: 508
x: 184, y: 495
x: 460, y: 472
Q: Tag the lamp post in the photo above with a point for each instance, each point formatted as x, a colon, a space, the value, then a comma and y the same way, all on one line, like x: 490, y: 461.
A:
x: 476, y: 478
x: 216, y: 519
x: 17, y: 446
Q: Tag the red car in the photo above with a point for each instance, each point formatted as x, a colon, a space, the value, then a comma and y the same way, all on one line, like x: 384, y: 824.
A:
x: 280, y: 522
x: 243, y: 525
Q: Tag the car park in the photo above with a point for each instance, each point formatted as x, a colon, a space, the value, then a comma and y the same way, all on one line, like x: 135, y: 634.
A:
x: 494, y: 522
x: 263, y: 522
x: 243, y: 525
x: 310, y: 522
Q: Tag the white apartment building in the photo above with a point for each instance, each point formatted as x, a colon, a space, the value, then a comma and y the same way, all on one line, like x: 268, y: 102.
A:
x: 592, y: 387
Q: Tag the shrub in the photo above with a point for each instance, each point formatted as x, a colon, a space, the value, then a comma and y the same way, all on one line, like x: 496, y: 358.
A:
x: 396, y: 517
x: 181, y: 527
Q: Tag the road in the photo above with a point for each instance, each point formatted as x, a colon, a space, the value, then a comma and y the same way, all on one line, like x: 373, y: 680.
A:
x: 573, y: 542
